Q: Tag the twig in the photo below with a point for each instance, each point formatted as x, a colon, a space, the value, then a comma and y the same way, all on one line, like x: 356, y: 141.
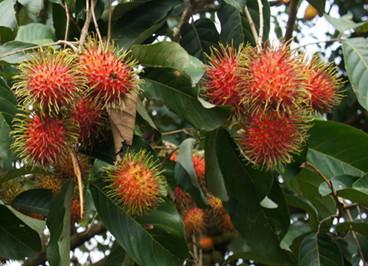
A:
x: 109, y: 23
x: 173, y: 132
x: 95, y: 21
x: 85, y: 28
x: 78, y: 175
x: 75, y: 241
x: 318, y: 42
x: 339, y: 205
x: 70, y: 44
x: 293, y: 9
x: 261, y: 23
x: 355, y: 237
x: 184, y: 18
x: 67, y: 21
x: 252, y: 27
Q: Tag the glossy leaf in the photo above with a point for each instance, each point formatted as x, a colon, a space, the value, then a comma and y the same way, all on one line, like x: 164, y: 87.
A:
x: 17, y: 240
x: 6, y: 156
x: 34, y: 201
x: 356, y: 63
x: 239, y: 5
x: 7, y: 11
x: 304, y: 204
x: 9, y: 54
x: 343, y: 23
x: 58, y: 222
x: 318, y: 250
x: 36, y: 33
x: 131, y: 235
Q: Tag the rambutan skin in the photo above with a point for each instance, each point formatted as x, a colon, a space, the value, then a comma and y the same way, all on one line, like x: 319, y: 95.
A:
x: 222, y: 79
x: 48, y: 81
x: 269, y: 140
x: 194, y: 220
x: 199, y: 168
x: 323, y: 85
x: 137, y: 183
x: 271, y: 80
x: 88, y: 115
x: 75, y: 210
x: 41, y: 140
x: 183, y: 200
x: 110, y: 73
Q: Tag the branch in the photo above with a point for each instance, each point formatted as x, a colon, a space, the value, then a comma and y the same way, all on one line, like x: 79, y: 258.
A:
x: 252, y: 27
x: 67, y: 21
x: 85, y: 28
x: 109, y: 23
x: 318, y: 42
x: 293, y: 9
x: 75, y: 241
x: 261, y: 23
x: 355, y: 237
x: 95, y: 20
x: 184, y: 18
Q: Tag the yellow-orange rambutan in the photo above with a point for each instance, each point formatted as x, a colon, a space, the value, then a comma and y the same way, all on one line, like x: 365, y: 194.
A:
x: 194, y: 220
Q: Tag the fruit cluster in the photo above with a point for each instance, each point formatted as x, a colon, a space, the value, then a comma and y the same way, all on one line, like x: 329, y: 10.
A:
x: 275, y: 94
x: 62, y: 96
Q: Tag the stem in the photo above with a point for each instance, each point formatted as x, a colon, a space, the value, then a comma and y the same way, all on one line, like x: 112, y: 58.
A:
x: 70, y: 44
x: 85, y: 28
x: 318, y: 42
x: 95, y: 21
x: 109, y: 22
x: 184, y: 18
x: 261, y: 23
x: 78, y: 175
x: 67, y: 21
x: 252, y: 27
x: 355, y: 237
x: 293, y: 9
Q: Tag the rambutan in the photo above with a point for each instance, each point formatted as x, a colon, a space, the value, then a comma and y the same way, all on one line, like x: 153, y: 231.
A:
x: 48, y: 81
x: 41, y: 140
x: 206, y: 242
x: 227, y: 224
x: 51, y: 182
x: 199, y: 169
x: 110, y: 73
x: 271, y: 80
x: 270, y: 139
x: 222, y: 79
x: 88, y: 115
x: 194, y: 220
x: 217, y: 207
x: 75, y: 210
x: 323, y: 85
x: 65, y: 169
x: 183, y: 200
x: 137, y: 183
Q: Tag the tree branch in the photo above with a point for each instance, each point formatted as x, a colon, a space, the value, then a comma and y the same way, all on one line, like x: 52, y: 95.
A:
x: 75, y: 241
x: 252, y: 27
x: 293, y: 9
x: 85, y: 28
x: 261, y: 23
x: 184, y: 19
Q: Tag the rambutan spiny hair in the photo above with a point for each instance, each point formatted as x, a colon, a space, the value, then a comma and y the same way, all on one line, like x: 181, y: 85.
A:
x: 111, y: 74
x: 136, y: 183
x: 271, y: 80
x: 323, y: 85
x: 221, y: 77
x: 270, y: 139
x: 48, y: 81
x: 42, y: 140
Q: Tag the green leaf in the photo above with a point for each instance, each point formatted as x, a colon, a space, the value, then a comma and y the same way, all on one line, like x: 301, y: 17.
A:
x: 199, y: 36
x: 319, y: 5
x: 6, y: 156
x: 7, y: 11
x: 304, y: 204
x: 169, y: 54
x: 343, y: 23
x: 6, y: 92
x: 319, y: 250
x: 336, y: 154
x: 36, y: 33
x: 18, y: 241
x: 131, y: 235
x: 355, y: 52
x: 261, y: 228
x: 178, y: 100
x: 138, y: 24
x: 34, y: 201
x: 238, y: 4
x: 214, y: 178
x: 357, y: 226
x: 8, y: 52
x: 296, y: 230
x: 116, y: 256
x: 59, y: 224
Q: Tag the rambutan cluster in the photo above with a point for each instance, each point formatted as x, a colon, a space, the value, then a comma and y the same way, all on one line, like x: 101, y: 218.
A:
x: 274, y: 94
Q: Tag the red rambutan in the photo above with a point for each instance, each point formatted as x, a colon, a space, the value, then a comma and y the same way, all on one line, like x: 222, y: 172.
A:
x: 222, y: 77
x: 199, y: 169
x: 270, y: 139
x: 75, y: 210
x: 42, y: 140
x: 271, y: 80
x: 183, y: 200
x: 110, y: 73
x: 88, y: 115
x: 136, y: 182
x: 48, y: 81
x: 194, y: 220
x: 323, y: 85
x: 216, y: 205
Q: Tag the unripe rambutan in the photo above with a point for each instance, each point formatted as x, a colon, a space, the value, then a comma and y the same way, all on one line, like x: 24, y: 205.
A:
x: 194, y: 220
x: 51, y: 182
x: 48, y: 81
x: 110, y: 73
x: 183, y: 200
x: 323, y: 85
x: 271, y: 80
x: 10, y: 189
x: 88, y: 115
x: 64, y: 168
x: 270, y: 139
x: 137, y: 183
x: 41, y: 140
x: 222, y: 79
